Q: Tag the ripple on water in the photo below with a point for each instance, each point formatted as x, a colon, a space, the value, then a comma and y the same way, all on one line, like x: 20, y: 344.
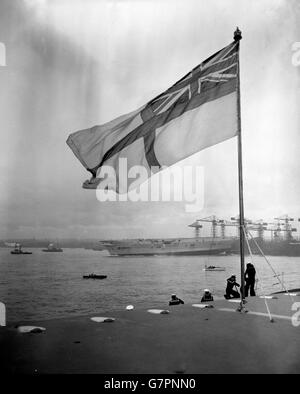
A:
x: 45, y: 287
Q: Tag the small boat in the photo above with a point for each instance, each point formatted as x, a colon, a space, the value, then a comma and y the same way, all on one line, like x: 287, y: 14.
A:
x: 18, y: 250
x: 94, y: 276
x: 213, y: 268
x: 52, y: 248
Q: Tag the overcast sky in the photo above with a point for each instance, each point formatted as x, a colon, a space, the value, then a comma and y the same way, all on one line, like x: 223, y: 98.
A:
x: 72, y: 64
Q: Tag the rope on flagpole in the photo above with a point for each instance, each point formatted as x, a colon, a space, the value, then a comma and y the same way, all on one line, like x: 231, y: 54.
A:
x: 251, y: 256
x: 270, y: 265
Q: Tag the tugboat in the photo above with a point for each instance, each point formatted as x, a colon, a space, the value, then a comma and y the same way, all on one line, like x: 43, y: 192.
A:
x: 94, y: 276
x: 18, y: 250
x: 52, y: 248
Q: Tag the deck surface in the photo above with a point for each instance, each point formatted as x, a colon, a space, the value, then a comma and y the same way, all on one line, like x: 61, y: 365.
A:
x: 187, y: 340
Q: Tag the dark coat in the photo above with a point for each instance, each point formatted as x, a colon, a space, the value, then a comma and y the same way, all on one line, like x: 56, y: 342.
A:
x: 231, y: 283
x: 250, y: 273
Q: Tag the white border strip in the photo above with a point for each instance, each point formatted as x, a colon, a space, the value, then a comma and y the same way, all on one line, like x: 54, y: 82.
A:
x: 257, y: 313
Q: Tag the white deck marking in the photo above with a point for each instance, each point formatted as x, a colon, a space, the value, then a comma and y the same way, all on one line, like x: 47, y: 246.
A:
x: 2, y: 314
x: 257, y: 313
x: 292, y: 294
x: 202, y: 306
x: 103, y: 319
x: 158, y: 311
x: 28, y: 329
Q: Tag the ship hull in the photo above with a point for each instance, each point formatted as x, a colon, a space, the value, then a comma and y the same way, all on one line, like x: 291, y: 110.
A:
x: 280, y: 249
x: 170, y: 253
x: 51, y: 251
x: 178, y: 247
x: 288, y: 248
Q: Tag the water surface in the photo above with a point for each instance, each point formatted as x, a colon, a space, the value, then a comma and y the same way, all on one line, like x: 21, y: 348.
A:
x: 50, y: 285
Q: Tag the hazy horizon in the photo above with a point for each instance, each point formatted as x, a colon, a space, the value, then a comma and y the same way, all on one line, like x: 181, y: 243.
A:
x: 75, y: 64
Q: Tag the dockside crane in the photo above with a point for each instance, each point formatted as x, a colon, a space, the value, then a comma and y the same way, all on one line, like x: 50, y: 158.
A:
x: 282, y: 225
x: 214, y: 223
x: 197, y: 228
x: 285, y: 221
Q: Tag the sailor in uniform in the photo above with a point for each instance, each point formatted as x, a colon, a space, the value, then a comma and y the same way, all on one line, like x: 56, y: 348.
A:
x: 231, y: 283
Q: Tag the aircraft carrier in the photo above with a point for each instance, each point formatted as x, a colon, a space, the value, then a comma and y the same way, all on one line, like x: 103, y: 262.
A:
x: 198, y: 245
x: 174, y: 246
x: 280, y: 243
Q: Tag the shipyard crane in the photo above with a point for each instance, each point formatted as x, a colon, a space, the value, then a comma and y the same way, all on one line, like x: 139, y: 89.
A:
x: 227, y: 223
x: 276, y: 230
x: 285, y: 220
x: 236, y: 222
x: 282, y: 224
x: 214, y: 222
x: 197, y: 228
x: 259, y: 226
x: 223, y: 224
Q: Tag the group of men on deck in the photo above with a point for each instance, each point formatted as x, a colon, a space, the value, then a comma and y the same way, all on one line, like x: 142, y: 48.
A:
x: 231, y: 288
x: 232, y: 283
x: 249, y: 280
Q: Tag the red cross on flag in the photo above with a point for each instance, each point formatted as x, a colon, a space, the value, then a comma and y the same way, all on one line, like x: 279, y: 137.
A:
x: 198, y: 111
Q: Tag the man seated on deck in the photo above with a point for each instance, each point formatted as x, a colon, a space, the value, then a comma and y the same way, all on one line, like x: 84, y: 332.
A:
x: 175, y: 300
x: 207, y: 296
x: 230, y: 293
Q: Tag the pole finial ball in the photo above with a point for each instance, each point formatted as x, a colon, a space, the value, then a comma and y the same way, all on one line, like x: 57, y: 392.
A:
x: 237, y: 35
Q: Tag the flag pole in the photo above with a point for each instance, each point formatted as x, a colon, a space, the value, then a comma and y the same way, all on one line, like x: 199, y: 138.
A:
x: 237, y: 38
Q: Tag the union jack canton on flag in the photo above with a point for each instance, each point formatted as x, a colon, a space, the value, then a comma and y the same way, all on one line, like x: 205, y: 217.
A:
x: 198, y: 111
